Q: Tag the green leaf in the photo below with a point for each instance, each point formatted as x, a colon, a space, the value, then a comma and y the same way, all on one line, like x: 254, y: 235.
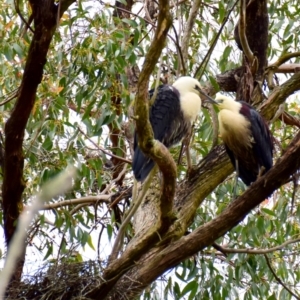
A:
x: 49, y: 251
x: 192, y: 286
x: 268, y: 211
x: 90, y: 242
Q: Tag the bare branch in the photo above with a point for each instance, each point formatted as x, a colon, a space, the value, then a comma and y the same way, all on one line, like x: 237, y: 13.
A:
x: 103, y: 150
x: 200, y: 70
x: 258, y: 251
x: 242, y: 33
x: 157, y: 151
x: 188, y: 31
x: 284, y: 58
x: 279, y: 96
x: 83, y: 200
x: 133, y: 208
x: 278, y: 279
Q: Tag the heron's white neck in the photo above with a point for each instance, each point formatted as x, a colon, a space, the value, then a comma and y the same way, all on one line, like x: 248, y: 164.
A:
x: 190, y: 104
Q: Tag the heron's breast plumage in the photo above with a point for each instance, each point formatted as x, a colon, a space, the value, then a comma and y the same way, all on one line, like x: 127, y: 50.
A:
x: 235, y: 130
x: 190, y: 104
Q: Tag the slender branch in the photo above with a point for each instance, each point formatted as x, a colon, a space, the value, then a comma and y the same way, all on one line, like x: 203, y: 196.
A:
x: 103, y: 150
x: 177, y: 43
x: 188, y: 30
x: 242, y: 33
x: 278, y: 279
x: 16, y: 2
x: 258, y: 251
x: 12, y: 96
x: 279, y: 96
x: 83, y: 200
x: 154, y: 149
x: 284, y: 58
x: 200, y: 70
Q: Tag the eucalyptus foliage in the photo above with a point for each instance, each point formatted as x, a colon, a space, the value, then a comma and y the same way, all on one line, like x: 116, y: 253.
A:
x: 76, y: 115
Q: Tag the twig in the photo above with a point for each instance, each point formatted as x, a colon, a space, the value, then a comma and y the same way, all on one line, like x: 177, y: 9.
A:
x: 83, y: 200
x: 13, y: 95
x: 21, y: 16
x: 103, y: 150
x: 242, y: 33
x: 60, y: 184
x: 206, y: 58
x: 258, y: 251
x: 188, y: 30
x: 177, y: 44
x: 284, y: 58
x: 278, y: 279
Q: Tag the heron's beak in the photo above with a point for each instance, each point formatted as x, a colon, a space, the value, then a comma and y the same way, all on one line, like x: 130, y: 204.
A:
x: 208, y: 98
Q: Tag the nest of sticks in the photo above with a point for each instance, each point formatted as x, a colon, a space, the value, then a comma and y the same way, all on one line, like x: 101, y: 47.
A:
x: 63, y: 281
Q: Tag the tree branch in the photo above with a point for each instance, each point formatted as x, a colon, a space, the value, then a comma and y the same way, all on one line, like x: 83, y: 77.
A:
x: 278, y: 279
x: 258, y: 251
x: 279, y: 96
x: 163, y: 258
x: 242, y: 33
x: 202, y: 66
x: 188, y: 31
x: 13, y: 183
x: 104, y: 150
x: 83, y: 200
x: 154, y: 149
x: 284, y: 58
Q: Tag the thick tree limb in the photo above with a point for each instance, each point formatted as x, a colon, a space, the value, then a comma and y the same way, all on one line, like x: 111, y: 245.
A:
x: 13, y: 183
x: 157, y: 151
x: 163, y: 258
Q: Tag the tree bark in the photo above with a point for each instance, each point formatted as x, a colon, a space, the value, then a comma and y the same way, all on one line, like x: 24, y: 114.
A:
x: 45, y: 16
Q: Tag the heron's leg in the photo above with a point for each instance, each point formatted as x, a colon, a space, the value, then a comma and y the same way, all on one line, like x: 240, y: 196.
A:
x: 188, y: 156
x: 236, y: 178
x: 186, y: 147
x: 180, y: 153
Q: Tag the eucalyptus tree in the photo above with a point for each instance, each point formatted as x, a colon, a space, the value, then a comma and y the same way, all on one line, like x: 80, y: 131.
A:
x: 74, y: 86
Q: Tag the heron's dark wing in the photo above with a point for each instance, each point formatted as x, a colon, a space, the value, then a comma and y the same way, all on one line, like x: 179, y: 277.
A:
x: 263, y: 140
x: 141, y: 165
x: 248, y: 175
x: 166, y: 117
x: 166, y: 120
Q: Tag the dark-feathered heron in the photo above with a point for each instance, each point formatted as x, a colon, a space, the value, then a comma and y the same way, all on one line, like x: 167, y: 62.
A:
x: 171, y: 116
x: 247, y: 138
